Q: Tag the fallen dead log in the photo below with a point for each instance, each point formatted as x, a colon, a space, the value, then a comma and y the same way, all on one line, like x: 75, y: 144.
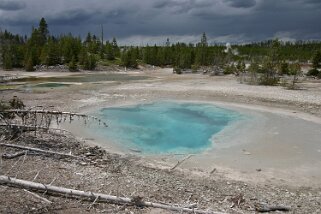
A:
x: 40, y: 150
x: 264, y: 208
x: 12, y: 156
x: 91, y: 196
x: 18, y: 154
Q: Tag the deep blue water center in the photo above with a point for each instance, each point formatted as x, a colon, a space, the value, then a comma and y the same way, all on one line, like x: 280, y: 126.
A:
x: 166, y: 127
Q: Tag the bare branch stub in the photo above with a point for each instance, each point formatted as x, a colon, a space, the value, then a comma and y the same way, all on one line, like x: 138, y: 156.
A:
x: 17, y: 121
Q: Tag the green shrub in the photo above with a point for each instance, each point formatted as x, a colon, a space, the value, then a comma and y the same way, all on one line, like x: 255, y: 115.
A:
x: 229, y: 69
x: 268, y: 81
x: 284, y: 68
x: 195, y: 68
x: 177, y: 70
x: 313, y: 72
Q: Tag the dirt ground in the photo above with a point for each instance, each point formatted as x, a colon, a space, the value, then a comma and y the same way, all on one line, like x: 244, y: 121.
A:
x: 129, y: 175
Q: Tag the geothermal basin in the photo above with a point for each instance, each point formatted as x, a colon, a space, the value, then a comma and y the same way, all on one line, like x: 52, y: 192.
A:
x: 238, y: 141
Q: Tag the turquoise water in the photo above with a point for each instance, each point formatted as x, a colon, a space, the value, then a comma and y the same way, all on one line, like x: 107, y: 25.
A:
x: 166, y: 127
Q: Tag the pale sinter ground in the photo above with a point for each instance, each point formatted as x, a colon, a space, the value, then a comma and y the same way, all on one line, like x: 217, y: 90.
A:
x: 279, y: 147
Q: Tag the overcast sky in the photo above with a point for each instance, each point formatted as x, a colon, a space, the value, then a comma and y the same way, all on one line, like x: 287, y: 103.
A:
x: 152, y: 21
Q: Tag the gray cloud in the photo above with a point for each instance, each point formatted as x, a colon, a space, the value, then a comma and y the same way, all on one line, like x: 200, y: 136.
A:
x: 318, y: 2
x: 185, y: 20
x: 182, y: 5
x: 70, y: 17
x: 12, y: 5
x: 241, y: 4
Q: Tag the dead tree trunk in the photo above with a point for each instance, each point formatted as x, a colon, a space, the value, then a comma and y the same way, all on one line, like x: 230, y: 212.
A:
x: 40, y: 150
x: 5, y: 180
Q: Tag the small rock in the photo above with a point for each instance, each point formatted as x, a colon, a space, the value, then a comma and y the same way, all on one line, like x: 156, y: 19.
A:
x: 259, y: 170
x: 246, y: 152
x: 83, y: 163
x: 88, y: 154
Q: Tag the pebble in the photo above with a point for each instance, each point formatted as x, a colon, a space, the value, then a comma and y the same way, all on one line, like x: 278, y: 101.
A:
x: 83, y: 163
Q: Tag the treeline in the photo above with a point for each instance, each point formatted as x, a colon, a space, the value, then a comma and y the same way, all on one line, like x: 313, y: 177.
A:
x: 301, y: 51
x: 41, y: 48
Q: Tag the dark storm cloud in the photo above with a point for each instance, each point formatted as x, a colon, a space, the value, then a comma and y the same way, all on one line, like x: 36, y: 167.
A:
x: 182, y: 6
x: 70, y: 17
x: 241, y: 4
x: 144, y: 21
x: 318, y: 2
x: 11, y: 5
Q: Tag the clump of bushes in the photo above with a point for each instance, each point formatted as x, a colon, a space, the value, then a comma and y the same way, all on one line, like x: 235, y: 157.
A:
x: 177, y: 70
x: 264, y: 80
x: 314, y: 72
x: 195, y: 68
x: 229, y: 69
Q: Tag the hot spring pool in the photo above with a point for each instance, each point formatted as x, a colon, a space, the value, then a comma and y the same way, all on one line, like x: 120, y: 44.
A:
x: 165, y: 127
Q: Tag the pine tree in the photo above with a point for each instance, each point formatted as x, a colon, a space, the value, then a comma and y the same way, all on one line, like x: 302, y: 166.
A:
x: 70, y: 46
x: 82, y: 55
x: 133, y: 58
x: 129, y: 58
x: 43, y: 30
x: 53, y: 57
x: 110, y: 55
x: 115, y: 47
x: 34, y: 47
x: 73, y: 64
x: 44, y: 55
x: 204, y: 40
x: 90, y: 62
x: 167, y: 42
x: 201, y: 56
x: 153, y: 56
x: 7, y: 60
x: 316, y: 60
x: 88, y: 38
x: 146, y: 55
x: 125, y: 58
x: 29, y: 64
